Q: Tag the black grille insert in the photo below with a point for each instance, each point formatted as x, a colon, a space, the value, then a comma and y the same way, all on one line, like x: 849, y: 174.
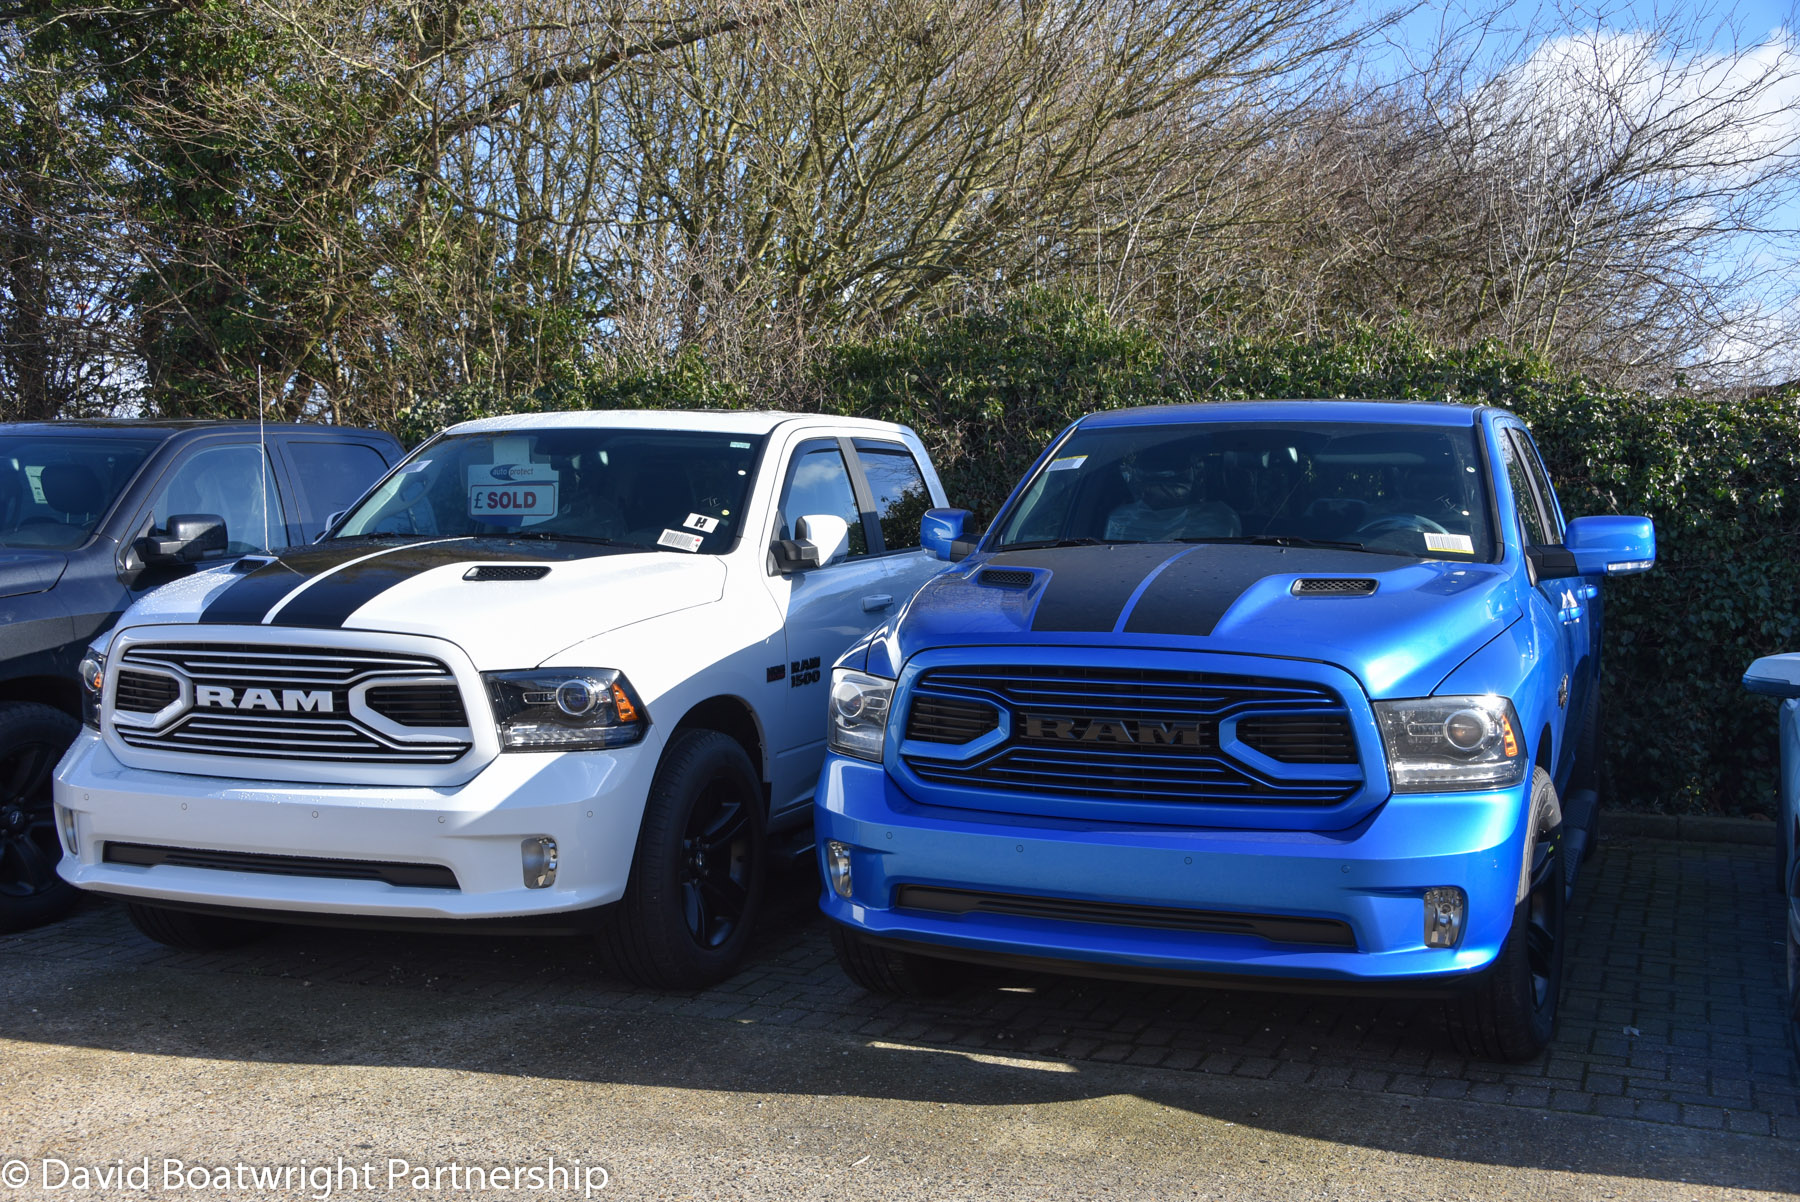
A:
x: 1005, y: 577
x: 402, y: 875
x: 282, y: 701
x: 419, y: 704
x: 144, y: 692
x: 1300, y: 738
x: 947, y: 720
x: 1276, y: 928
x: 1127, y: 734
x: 506, y: 571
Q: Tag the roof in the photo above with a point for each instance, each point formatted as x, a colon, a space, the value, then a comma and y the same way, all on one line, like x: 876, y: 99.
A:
x: 1408, y: 413
x: 724, y: 421
x: 164, y: 428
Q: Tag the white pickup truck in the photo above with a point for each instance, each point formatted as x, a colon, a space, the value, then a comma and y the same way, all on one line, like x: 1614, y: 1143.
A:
x: 556, y: 672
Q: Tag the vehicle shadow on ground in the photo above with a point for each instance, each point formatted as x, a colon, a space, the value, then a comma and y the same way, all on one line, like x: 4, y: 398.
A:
x: 1375, y: 1074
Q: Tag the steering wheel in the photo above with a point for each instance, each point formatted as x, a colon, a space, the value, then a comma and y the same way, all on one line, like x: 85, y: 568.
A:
x: 1398, y: 523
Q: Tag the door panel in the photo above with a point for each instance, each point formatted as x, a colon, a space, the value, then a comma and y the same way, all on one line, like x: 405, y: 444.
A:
x: 1559, y: 607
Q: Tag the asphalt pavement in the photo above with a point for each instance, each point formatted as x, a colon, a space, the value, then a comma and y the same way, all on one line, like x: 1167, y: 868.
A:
x: 322, y: 1064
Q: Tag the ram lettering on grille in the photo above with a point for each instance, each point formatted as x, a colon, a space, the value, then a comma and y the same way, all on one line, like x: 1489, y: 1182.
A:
x: 287, y: 702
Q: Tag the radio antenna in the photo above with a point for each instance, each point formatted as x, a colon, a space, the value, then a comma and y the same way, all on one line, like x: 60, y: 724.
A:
x: 262, y: 453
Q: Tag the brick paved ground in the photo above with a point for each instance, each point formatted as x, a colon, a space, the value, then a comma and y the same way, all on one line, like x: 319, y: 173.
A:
x: 1670, y: 1010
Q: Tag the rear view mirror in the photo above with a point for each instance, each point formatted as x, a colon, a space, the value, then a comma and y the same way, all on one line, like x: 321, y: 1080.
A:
x: 821, y: 538
x: 186, y: 538
x: 1611, y: 546
x: 941, y: 533
x: 1774, y: 676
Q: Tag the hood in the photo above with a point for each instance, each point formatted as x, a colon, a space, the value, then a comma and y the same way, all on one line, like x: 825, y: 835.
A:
x: 542, y: 598
x: 24, y: 572
x: 1420, y: 620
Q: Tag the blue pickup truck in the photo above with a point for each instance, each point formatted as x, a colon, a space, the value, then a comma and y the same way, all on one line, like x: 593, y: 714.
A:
x: 1274, y: 694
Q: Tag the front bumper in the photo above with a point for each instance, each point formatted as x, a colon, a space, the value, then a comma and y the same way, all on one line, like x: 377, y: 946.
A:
x: 589, y: 802
x: 1371, y: 877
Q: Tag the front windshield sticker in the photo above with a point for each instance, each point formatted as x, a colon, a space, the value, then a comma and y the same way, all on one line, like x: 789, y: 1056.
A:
x: 508, y: 494
x: 1067, y: 463
x: 417, y: 465
x: 702, y: 523
x: 1460, y: 544
x: 684, y: 542
x: 34, y: 477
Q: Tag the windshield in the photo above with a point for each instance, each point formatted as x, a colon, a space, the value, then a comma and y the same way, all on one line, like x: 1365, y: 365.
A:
x: 671, y: 489
x: 55, y: 489
x: 1404, y: 490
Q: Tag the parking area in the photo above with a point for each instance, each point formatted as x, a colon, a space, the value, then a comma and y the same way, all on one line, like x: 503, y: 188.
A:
x: 1670, y: 1019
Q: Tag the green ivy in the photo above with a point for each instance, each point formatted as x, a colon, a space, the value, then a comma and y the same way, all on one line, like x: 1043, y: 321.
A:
x: 988, y: 390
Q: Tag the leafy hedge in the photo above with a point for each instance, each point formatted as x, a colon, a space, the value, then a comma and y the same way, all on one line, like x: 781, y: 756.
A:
x: 987, y: 391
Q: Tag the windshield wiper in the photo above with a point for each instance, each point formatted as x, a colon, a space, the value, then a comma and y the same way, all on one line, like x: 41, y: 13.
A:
x: 1040, y: 544
x: 552, y: 536
x: 1287, y: 540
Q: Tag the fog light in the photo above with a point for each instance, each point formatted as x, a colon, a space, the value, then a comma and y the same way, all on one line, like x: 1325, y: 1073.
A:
x: 65, y: 822
x: 837, y: 867
x: 1444, y: 909
x: 540, y: 862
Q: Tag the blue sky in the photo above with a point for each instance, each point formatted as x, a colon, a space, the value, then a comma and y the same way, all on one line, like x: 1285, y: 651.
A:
x: 1707, y: 32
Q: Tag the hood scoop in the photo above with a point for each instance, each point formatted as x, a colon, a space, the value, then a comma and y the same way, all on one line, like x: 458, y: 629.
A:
x: 1333, y: 586
x: 507, y: 571
x: 1005, y: 578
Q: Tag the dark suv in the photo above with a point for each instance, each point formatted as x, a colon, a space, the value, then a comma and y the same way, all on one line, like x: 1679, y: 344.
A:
x: 93, y: 515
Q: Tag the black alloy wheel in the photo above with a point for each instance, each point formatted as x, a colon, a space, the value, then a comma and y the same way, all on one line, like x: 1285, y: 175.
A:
x: 33, y: 738
x: 716, y: 864
x: 696, y: 881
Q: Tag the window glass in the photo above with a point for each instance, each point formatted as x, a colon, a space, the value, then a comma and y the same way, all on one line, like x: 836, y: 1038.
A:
x: 818, y: 482
x: 1530, y: 516
x: 679, y: 491
x: 54, y: 490
x: 1535, y: 465
x: 331, y: 475
x: 898, y: 485
x: 231, y: 483
x: 1386, y: 488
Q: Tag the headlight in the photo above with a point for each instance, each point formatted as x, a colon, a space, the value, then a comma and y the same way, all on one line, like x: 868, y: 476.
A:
x: 93, y: 686
x: 859, y: 713
x: 564, y: 709
x: 1451, y: 743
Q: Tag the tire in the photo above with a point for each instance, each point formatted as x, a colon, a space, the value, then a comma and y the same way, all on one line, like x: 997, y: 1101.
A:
x: 193, y: 932
x: 33, y: 738
x: 697, y: 876
x: 886, y: 971
x: 1509, y: 1012
x: 1793, y: 982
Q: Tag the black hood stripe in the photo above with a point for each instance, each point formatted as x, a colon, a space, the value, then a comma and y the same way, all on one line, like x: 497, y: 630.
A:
x: 1158, y: 588
x: 1197, y: 590
x: 1088, y: 586
x: 324, y: 586
x: 246, y: 600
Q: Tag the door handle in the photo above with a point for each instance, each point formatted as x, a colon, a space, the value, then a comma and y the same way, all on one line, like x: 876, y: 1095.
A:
x: 877, y: 601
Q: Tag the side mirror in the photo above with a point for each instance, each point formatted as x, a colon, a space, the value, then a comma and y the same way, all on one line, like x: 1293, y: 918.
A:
x: 1774, y: 676
x: 187, y: 538
x: 1611, y: 546
x: 941, y: 533
x: 331, y: 522
x: 822, y: 537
